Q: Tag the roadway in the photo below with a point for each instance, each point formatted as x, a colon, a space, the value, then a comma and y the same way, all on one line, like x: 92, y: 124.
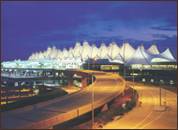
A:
x: 145, y: 116
x: 44, y: 115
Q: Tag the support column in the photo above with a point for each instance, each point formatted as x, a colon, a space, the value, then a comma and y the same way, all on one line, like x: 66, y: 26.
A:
x: 84, y: 82
x: 70, y: 81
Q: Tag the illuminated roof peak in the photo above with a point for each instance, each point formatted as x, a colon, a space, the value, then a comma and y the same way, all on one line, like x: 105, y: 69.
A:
x: 167, y: 53
x: 153, y: 49
x: 122, y: 54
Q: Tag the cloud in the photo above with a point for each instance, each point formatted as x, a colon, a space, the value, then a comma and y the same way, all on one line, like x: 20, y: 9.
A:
x: 166, y: 28
x: 35, y: 25
x: 124, y: 30
x: 126, y: 20
x: 161, y: 36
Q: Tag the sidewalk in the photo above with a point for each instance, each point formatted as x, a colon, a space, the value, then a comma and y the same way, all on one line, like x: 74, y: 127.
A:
x: 108, y: 114
x: 144, y: 116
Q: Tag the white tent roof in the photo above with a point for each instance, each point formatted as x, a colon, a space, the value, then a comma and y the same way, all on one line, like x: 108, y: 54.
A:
x: 86, y: 50
x: 167, y: 54
x: 140, y: 57
x: 159, y: 59
x: 94, y: 52
x: 103, y: 51
x: 125, y: 54
x: 153, y: 50
x: 113, y: 50
x: 59, y: 54
x: 117, y: 59
x: 71, y: 52
x: 126, y: 47
x: 65, y: 53
x: 77, y: 49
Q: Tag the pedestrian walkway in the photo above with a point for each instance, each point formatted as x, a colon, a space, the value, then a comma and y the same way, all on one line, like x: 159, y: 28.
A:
x: 144, y: 115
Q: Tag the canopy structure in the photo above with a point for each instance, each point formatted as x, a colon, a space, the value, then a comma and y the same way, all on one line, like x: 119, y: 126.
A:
x: 71, y: 52
x: 153, y: 50
x: 140, y: 57
x: 117, y: 59
x: 78, y: 54
x: 113, y: 50
x: 86, y: 50
x: 126, y: 52
x: 77, y: 49
x: 94, y: 52
x: 103, y: 51
x: 167, y: 54
x: 159, y: 59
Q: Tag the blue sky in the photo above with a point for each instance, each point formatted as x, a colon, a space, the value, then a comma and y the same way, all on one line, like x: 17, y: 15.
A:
x: 33, y: 26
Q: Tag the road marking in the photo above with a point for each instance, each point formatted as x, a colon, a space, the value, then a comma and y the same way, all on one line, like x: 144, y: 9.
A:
x: 148, y: 115
x: 152, y: 120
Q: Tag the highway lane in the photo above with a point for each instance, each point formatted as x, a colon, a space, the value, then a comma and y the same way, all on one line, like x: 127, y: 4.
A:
x: 46, y: 114
x: 145, y: 117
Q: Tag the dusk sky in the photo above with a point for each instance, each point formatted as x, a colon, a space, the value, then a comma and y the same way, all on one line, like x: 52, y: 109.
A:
x: 33, y: 26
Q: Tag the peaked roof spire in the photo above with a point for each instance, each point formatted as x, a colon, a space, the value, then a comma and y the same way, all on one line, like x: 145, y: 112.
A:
x: 153, y: 49
x: 167, y: 54
x: 140, y: 57
x: 126, y: 47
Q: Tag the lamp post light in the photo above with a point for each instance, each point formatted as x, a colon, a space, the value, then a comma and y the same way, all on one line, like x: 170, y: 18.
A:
x: 93, y: 112
x: 88, y: 63
x: 160, y: 94
x: 160, y: 107
x: 124, y: 60
x: 93, y: 59
x: 133, y: 80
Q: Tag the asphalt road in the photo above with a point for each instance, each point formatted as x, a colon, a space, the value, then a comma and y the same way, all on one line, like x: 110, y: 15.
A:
x: 49, y: 113
x: 145, y: 116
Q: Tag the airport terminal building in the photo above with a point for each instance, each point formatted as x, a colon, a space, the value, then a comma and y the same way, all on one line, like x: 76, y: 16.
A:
x: 145, y: 65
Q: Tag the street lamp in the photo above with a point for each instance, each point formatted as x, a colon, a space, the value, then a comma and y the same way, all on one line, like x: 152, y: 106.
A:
x: 160, y: 107
x: 93, y: 112
x: 133, y: 79
x: 88, y: 63
x: 91, y: 58
x: 124, y: 60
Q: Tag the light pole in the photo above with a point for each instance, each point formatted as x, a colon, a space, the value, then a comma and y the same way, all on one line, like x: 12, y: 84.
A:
x: 88, y: 63
x: 93, y: 112
x: 124, y: 67
x: 124, y: 62
x: 92, y: 58
x: 160, y: 107
x: 160, y: 95
x: 133, y: 79
x: 92, y: 95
